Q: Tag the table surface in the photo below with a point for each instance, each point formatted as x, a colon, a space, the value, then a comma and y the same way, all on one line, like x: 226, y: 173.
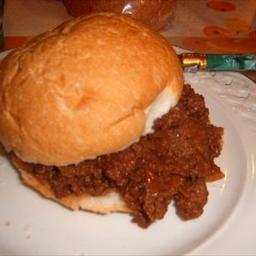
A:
x: 206, y: 26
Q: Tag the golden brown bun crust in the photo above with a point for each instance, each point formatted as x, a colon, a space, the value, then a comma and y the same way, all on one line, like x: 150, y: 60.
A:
x: 108, y: 203
x: 81, y: 90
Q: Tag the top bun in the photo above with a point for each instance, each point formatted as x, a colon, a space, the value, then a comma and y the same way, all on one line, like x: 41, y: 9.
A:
x: 82, y: 89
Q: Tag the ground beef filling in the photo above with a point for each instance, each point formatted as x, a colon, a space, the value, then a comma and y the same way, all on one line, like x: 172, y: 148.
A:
x: 173, y: 163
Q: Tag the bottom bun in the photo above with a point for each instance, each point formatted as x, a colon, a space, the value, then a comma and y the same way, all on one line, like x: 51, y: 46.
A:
x: 111, y: 202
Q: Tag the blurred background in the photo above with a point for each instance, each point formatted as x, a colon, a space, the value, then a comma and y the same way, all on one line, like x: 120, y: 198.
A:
x: 211, y: 26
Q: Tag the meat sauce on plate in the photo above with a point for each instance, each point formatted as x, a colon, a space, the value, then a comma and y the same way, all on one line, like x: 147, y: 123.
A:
x: 173, y: 163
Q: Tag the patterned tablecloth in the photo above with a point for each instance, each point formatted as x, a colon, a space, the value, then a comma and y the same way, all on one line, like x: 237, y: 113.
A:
x: 198, y: 25
x: 215, y: 26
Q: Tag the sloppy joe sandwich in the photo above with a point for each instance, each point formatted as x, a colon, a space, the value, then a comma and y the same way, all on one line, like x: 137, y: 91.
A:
x: 95, y: 116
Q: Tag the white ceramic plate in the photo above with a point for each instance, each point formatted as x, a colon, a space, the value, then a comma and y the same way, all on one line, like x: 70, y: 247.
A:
x: 32, y: 225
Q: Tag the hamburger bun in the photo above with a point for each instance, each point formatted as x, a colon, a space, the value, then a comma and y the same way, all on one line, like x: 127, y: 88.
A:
x: 107, y: 203
x: 84, y: 89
